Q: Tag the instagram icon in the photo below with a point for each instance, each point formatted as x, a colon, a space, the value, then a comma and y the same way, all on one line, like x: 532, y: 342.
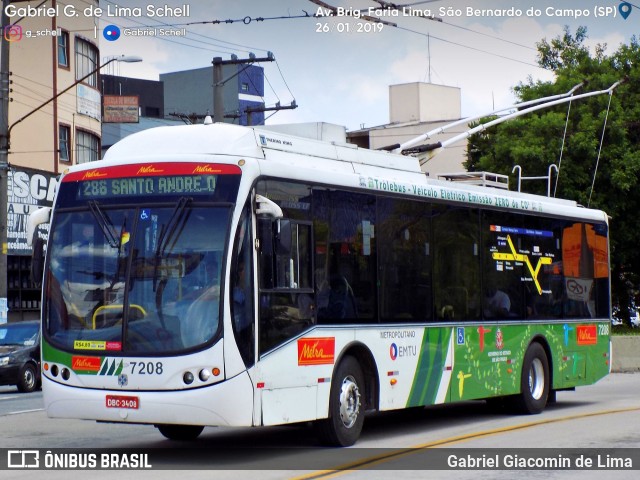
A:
x: 12, y: 33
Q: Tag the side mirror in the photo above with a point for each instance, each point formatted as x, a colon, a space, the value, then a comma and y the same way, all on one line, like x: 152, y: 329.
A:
x: 37, y: 261
x: 38, y: 244
x: 264, y: 206
x: 37, y: 217
x: 283, y: 237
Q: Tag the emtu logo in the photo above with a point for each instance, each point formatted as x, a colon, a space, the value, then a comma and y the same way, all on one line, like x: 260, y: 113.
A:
x: 111, y: 33
x: 12, y: 33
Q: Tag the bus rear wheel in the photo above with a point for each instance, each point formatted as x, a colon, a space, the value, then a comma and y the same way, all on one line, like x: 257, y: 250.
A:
x: 346, y: 409
x: 180, y: 432
x: 534, y: 384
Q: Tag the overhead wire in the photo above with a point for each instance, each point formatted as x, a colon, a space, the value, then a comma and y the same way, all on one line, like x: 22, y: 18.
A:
x: 244, y: 48
x: 249, y: 19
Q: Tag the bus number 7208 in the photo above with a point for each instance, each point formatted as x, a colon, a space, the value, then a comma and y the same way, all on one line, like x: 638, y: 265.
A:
x: 146, y: 368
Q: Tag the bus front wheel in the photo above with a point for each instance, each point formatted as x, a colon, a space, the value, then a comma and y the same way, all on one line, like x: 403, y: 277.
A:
x: 534, y: 384
x: 346, y: 408
x: 180, y: 432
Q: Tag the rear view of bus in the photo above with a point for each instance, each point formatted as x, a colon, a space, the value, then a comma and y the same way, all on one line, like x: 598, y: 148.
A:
x: 132, y: 297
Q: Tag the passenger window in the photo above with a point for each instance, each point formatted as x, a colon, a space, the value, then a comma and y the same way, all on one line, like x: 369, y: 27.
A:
x: 404, y: 260
x: 456, y: 263
x: 345, y: 256
x: 504, y: 277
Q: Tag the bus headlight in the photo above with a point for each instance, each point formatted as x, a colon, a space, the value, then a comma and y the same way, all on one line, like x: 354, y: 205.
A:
x: 188, y: 378
x: 204, y: 375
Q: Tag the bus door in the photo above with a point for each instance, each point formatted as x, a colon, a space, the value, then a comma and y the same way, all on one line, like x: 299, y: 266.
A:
x: 287, y: 303
x: 286, y: 309
x: 240, y: 292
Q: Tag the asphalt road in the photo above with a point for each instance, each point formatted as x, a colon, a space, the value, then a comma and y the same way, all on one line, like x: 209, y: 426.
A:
x: 602, y: 416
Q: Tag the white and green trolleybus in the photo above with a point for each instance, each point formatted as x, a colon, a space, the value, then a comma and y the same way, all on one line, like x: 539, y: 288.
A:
x: 223, y: 275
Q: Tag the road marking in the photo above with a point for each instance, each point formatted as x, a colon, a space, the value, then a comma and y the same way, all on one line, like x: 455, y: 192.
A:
x: 367, y: 462
x: 25, y: 411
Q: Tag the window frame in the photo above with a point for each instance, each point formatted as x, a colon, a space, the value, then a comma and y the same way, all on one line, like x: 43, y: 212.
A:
x: 87, y: 61
x: 66, y: 64
x: 65, y: 127
x: 81, y: 133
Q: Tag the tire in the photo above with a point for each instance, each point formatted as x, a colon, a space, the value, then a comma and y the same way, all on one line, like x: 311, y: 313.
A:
x: 28, y: 379
x: 534, y: 383
x: 346, y: 409
x: 181, y: 433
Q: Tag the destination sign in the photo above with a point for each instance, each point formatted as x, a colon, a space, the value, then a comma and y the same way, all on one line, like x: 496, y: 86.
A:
x: 144, y: 186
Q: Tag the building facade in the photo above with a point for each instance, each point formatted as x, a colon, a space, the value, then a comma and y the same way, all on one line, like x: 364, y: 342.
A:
x: 186, y: 97
x: 47, y: 54
x: 414, y: 109
x: 189, y: 93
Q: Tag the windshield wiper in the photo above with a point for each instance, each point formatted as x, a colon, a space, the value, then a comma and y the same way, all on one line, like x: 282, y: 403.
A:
x: 168, y: 233
x: 105, y: 224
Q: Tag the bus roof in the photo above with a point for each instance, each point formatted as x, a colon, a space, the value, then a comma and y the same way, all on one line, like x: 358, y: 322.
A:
x: 332, y: 162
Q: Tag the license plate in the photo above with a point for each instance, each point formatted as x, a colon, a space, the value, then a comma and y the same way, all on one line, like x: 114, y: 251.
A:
x: 122, y: 401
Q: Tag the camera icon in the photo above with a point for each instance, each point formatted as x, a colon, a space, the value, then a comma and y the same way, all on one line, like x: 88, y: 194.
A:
x: 12, y: 33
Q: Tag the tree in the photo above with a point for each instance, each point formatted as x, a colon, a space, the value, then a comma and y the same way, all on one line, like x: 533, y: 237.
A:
x: 534, y: 142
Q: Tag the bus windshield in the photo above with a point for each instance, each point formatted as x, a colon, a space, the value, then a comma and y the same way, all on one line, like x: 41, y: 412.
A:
x: 139, y: 277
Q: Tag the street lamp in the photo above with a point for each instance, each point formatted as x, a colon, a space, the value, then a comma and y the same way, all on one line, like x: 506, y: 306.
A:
x: 122, y: 58
x: 5, y: 141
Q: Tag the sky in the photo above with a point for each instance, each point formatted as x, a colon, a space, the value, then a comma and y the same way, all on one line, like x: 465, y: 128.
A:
x: 338, y: 68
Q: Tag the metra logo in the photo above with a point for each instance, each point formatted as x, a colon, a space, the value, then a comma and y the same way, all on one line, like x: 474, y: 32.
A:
x: 316, y: 351
x: 205, y: 169
x: 148, y: 169
x: 93, y: 174
x: 86, y: 364
x: 587, y: 335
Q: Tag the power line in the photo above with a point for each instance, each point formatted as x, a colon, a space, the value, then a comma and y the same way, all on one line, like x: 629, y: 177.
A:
x: 283, y: 79
x: 472, y: 48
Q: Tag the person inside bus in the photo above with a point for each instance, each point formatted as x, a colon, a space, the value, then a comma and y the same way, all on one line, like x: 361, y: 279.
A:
x: 202, y: 316
x: 341, y: 304
x: 497, y: 303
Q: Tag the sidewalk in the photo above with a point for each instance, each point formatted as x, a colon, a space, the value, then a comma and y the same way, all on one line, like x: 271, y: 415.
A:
x: 625, y: 353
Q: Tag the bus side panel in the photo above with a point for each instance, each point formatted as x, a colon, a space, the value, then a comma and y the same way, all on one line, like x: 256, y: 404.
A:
x: 414, y: 364
x: 488, y: 357
x: 289, y: 405
x: 295, y: 379
x: 586, y: 354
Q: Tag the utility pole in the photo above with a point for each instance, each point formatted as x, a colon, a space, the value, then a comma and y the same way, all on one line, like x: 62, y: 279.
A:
x: 218, y: 81
x: 278, y: 107
x: 4, y: 161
